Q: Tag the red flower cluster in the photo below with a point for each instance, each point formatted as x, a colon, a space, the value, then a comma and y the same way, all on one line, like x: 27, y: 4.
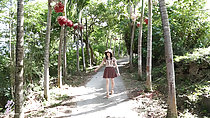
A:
x: 59, y: 7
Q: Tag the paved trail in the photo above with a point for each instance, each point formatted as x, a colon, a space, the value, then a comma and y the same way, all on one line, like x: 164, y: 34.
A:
x: 92, y: 102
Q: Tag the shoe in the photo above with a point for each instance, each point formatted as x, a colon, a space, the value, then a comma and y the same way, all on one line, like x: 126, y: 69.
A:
x: 112, y: 92
x: 107, y: 95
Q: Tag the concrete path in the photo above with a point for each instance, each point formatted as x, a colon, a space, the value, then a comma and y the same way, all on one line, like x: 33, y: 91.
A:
x: 92, y: 102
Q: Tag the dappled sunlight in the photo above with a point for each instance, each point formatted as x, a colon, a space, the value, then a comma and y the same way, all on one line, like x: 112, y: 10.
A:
x: 92, y: 101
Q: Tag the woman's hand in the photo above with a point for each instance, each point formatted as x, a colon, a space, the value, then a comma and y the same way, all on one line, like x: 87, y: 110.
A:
x: 96, y: 70
x: 118, y: 74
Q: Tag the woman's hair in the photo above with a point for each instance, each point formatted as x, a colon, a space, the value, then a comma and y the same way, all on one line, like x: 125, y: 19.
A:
x: 107, y: 56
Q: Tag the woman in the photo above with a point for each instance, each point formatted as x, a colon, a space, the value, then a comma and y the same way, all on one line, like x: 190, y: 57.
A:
x: 109, y: 71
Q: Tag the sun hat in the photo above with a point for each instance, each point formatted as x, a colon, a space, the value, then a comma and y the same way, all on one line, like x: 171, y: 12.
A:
x: 109, y: 50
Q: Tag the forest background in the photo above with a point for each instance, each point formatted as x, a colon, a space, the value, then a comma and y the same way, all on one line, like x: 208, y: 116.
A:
x: 109, y: 26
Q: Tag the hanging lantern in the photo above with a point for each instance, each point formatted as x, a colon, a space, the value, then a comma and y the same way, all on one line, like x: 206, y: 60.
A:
x: 62, y: 20
x: 146, y: 21
x: 69, y: 23
x: 75, y: 26
x: 59, y: 7
x: 138, y: 24
x: 81, y: 26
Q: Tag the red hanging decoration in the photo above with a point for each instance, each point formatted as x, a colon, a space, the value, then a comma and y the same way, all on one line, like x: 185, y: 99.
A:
x: 59, y: 7
x: 62, y: 20
x: 138, y: 24
x: 69, y: 23
x: 75, y: 26
x: 146, y: 21
x: 81, y: 26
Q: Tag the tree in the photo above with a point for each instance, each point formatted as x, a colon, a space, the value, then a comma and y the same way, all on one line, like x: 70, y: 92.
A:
x: 64, y: 55
x: 133, y: 17
x: 119, y: 45
x: 107, y: 39
x: 140, y: 42
x: 83, y: 54
x: 11, y: 46
x: 149, y: 47
x: 77, y: 45
x: 172, y: 109
x: 46, y: 55
x: 87, y: 42
x: 60, y: 51
x: 19, y: 61
x: 60, y: 57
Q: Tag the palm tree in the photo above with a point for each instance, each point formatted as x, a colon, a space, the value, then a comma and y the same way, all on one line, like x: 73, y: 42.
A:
x: 87, y: 43
x: 60, y: 50
x: 140, y: 42
x: 83, y: 54
x: 11, y: 46
x: 19, y: 61
x: 107, y: 39
x: 59, y: 57
x: 133, y: 17
x: 77, y: 44
x: 80, y: 5
x: 149, y: 47
x: 46, y: 58
x: 64, y: 55
x: 172, y: 109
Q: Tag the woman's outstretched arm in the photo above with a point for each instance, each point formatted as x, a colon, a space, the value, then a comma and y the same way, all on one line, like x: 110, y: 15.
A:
x: 102, y: 63
x: 116, y: 66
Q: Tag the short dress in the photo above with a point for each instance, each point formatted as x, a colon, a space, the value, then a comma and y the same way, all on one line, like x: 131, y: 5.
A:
x: 109, y: 71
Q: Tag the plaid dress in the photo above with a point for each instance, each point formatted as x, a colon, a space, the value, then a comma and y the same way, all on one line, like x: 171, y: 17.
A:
x: 109, y: 71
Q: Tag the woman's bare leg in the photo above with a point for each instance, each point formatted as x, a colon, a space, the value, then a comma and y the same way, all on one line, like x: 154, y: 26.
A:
x: 112, y: 90
x: 107, y: 86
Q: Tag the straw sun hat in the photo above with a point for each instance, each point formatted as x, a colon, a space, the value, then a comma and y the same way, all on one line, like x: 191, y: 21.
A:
x: 109, y: 50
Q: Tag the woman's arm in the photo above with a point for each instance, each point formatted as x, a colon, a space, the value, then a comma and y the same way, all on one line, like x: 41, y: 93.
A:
x: 116, y: 66
x: 102, y: 63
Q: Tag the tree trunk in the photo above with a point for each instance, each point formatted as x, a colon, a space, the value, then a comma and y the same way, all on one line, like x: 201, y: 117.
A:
x: 92, y: 54
x: 83, y: 54
x: 77, y: 44
x: 172, y: 108
x: 118, y: 53
x: 19, y: 61
x: 64, y: 47
x: 12, y: 74
x: 110, y: 41
x: 87, y: 45
x: 64, y: 56
x: 140, y: 42
x: 114, y: 47
x: 131, y: 48
x: 149, y: 47
x: 46, y: 56
x: 107, y: 40
x: 60, y: 49
x: 60, y: 57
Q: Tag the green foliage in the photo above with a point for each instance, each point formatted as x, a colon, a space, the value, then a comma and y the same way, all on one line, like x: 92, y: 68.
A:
x: 189, y: 25
x: 200, y: 53
x: 189, y: 29
x: 4, y: 75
